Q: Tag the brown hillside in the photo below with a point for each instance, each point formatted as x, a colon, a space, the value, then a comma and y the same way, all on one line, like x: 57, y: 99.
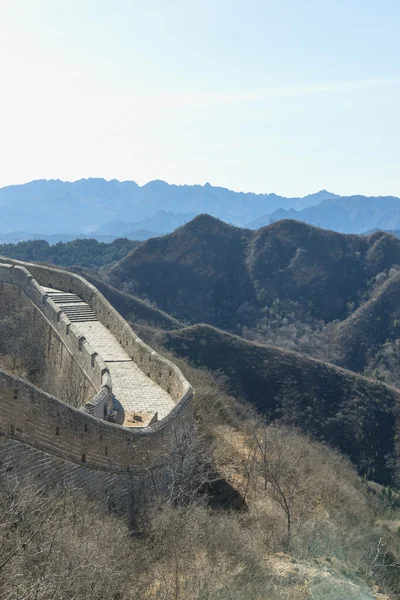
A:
x: 289, y: 259
x: 208, y: 271
x: 368, y: 328
x: 357, y: 415
x: 198, y: 272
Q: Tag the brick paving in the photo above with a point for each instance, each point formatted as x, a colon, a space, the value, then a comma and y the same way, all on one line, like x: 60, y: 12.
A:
x: 131, y: 387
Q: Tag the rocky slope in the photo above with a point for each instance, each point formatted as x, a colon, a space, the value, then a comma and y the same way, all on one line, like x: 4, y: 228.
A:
x: 208, y: 271
x: 357, y: 415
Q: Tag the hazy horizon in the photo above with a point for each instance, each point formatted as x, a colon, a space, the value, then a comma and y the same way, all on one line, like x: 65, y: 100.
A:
x: 285, y: 98
x: 312, y: 193
x: 245, y: 191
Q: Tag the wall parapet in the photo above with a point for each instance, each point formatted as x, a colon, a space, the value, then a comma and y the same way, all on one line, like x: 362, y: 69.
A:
x: 159, y: 369
x: 29, y: 415
x: 40, y: 420
x: 91, y: 362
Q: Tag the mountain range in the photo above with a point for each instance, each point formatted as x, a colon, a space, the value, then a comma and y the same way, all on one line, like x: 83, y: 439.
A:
x: 56, y: 211
x: 211, y: 272
x: 336, y: 295
x: 355, y: 214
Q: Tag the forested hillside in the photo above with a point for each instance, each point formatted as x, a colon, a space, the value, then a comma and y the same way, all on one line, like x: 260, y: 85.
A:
x: 230, y: 277
x: 359, y: 416
x: 84, y: 253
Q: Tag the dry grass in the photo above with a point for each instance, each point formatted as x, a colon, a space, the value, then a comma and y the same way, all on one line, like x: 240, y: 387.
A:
x: 57, y: 545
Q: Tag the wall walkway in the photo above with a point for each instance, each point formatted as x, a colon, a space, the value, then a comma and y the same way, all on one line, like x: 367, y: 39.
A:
x: 33, y: 423
x: 131, y: 387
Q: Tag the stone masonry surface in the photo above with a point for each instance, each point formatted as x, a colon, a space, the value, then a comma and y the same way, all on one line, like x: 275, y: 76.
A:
x: 42, y: 436
x: 131, y: 387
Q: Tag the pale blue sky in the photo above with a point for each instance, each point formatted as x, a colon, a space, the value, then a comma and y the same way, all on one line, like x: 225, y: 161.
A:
x: 282, y: 96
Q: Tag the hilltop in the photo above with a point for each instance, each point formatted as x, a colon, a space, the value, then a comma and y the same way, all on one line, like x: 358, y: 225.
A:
x: 209, y: 271
x: 198, y: 272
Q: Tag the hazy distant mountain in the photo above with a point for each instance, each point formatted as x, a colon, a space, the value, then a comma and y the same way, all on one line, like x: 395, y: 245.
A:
x: 354, y: 214
x: 99, y: 208
x: 23, y: 236
x: 162, y: 222
x: 96, y: 205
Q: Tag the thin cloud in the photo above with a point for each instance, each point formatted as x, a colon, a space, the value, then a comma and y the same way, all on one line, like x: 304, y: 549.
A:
x: 289, y: 91
x: 320, y: 88
x: 165, y: 99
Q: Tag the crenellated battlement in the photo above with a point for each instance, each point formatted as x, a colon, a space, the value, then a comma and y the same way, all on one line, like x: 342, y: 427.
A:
x: 34, y: 421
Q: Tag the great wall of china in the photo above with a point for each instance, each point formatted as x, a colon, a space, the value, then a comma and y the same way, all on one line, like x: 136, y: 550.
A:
x: 52, y: 440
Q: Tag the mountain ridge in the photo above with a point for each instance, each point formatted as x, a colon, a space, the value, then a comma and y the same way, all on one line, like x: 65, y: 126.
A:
x: 86, y: 205
x: 210, y: 271
x: 347, y: 214
x: 324, y: 400
x: 97, y: 207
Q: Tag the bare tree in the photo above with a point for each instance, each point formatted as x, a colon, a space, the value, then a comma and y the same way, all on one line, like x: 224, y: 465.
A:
x: 190, y: 466
x: 285, y: 464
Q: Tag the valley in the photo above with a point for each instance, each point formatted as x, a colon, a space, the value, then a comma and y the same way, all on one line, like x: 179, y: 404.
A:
x: 289, y: 336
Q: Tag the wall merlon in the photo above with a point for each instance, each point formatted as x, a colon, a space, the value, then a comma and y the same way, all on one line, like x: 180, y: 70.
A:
x: 44, y: 423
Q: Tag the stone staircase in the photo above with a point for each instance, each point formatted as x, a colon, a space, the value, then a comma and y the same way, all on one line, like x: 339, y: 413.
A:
x: 72, y: 305
x: 133, y: 390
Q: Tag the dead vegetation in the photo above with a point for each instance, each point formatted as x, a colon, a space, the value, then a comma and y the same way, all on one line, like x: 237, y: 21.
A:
x: 310, y: 529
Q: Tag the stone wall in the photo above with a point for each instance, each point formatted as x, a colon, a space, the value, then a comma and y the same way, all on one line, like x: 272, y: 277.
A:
x: 42, y: 421
x: 58, y: 444
x: 160, y: 370
x: 95, y: 450
x: 92, y: 364
x: 116, y: 493
x: 37, y: 352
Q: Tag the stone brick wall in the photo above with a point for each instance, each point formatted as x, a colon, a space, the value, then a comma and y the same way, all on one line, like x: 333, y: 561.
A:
x: 42, y: 421
x: 92, y: 364
x: 123, y: 494
x: 40, y: 350
x: 159, y: 369
x: 96, y: 453
x: 58, y: 444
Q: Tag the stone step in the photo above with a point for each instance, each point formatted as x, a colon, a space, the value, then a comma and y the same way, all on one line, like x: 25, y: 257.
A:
x: 59, y: 298
x: 79, y: 312
x: 77, y: 307
x: 87, y: 312
x: 81, y: 315
x: 82, y: 319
